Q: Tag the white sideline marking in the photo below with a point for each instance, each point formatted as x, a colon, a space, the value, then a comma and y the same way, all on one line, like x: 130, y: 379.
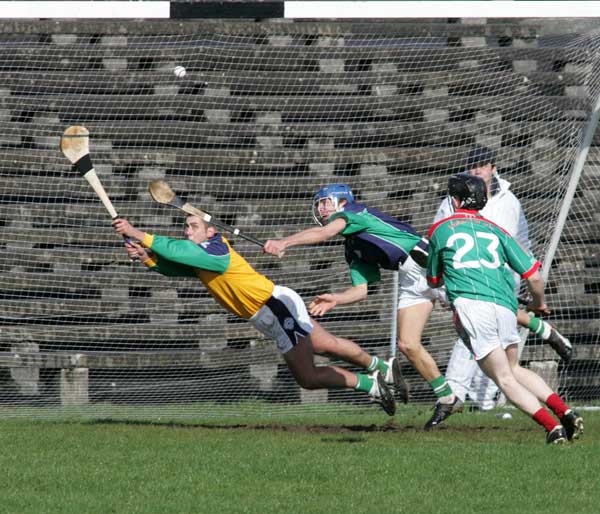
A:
x: 442, y: 9
x: 81, y: 9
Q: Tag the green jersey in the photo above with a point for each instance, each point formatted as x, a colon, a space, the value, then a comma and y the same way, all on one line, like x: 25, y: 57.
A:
x: 374, y: 240
x: 471, y: 254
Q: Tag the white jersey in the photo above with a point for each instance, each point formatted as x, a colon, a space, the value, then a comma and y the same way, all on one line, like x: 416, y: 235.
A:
x: 502, y: 208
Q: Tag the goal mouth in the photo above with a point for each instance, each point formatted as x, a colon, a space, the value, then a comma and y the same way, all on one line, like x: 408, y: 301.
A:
x: 75, y: 143
x: 268, y: 114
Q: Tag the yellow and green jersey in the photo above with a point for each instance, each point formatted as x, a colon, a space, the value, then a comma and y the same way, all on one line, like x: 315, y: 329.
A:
x: 471, y: 253
x: 232, y: 282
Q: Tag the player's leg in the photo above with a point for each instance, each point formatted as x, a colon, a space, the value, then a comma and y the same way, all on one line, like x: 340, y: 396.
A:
x: 300, y: 361
x: 284, y: 319
x: 411, y: 322
x: 571, y: 420
x: 496, y: 365
x: 483, y: 391
x: 373, y: 384
x: 350, y: 352
x: 559, y: 343
x: 415, y: 304
x: 461, y: 370
x: 345, y: 349
x: 532, y: 381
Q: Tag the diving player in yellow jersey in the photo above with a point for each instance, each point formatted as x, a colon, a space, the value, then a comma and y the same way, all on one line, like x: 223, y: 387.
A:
x: 277, y: 312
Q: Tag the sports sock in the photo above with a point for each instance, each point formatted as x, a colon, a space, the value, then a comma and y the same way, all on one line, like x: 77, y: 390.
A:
x: 365, y: 383
x: 374, y: 364
x: 557, y: 406
x: 442, y: 389
x: 539, y: 327
x: 383, y: 367
x: 544, y: 418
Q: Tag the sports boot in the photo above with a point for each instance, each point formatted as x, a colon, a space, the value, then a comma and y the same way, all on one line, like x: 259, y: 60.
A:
x: 381, y: 393
x: 441, y: 411
x: 561, y: 345
x: 557, y: 435
x: 573, y: 424
x: 394, y: 378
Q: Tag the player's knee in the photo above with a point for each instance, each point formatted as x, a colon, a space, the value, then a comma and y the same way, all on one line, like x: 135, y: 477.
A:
x: 408, y: 347
x: 506, y: 381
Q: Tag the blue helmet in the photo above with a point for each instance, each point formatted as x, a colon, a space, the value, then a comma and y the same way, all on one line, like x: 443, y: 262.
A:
x: 335, y: 192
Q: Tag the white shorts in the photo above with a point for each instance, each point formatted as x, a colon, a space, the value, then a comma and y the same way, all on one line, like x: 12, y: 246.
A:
x: 413, y: 287
x: 283, y: 318
x: 485, y: 326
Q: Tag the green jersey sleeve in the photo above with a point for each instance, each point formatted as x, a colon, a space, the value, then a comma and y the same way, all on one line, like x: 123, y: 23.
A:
x: 354, y: 222
x: 434, y: 265
x: 169, y: 268
x: 189, y: 253
x: 518, y: 258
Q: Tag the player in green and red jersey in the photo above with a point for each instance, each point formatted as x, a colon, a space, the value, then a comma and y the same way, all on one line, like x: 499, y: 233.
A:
x: 468, y: 254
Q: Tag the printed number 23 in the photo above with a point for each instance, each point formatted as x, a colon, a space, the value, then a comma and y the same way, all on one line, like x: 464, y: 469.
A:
x: 468, y: 244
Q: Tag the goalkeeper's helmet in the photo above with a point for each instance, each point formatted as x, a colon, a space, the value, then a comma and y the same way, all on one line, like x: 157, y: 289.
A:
x: 469, y: 189
x: 335, y: 193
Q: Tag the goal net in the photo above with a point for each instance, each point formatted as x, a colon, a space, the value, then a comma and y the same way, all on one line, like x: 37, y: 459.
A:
x: 267, y: 114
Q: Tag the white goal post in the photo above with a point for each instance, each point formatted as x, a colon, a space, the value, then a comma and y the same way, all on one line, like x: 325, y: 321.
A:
x: 266, y: 114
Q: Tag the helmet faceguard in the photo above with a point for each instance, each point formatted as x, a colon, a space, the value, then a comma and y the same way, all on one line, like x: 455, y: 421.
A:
x: 335, y: 193
x: 469, y: 189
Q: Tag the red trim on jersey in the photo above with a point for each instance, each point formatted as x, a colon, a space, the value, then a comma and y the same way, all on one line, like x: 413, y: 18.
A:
x: 537, y: 265
x: 463, y: 214
x: 434, y: 280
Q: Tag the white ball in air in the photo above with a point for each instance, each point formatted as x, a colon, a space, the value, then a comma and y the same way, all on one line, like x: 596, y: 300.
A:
x: 180, y: 72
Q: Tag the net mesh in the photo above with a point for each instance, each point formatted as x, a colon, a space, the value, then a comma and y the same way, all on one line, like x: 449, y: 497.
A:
x: 267, y: 114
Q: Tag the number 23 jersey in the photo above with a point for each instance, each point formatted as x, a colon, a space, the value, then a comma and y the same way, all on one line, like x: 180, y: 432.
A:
x: 471, y: 253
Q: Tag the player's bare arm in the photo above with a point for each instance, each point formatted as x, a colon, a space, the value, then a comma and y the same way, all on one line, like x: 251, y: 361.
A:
x: 535, y: 284
x: 305, y: 237
x: 323, y: 303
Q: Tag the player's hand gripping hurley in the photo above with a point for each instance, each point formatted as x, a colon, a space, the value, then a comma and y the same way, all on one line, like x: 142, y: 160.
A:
x: 161, y: 192
x: 75, y: 146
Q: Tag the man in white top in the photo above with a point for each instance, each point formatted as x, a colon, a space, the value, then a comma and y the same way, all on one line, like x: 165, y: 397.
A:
x: 503, y: 208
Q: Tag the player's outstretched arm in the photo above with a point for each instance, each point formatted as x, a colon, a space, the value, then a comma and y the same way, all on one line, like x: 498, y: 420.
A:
x: 305, y: 237
x: 323, y: 303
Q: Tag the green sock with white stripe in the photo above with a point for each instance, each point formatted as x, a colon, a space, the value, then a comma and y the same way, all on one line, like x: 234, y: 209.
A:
x: 441, y: 388
x: 374, y: 364
x: 365, y: 382
x: 539, y: 327
x: 377, y: 363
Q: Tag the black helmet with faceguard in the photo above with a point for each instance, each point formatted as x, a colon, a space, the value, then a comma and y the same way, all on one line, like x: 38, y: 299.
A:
x: 469, y: 189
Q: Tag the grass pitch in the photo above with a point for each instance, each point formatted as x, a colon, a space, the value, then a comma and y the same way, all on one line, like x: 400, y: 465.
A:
x: 330, y: 464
